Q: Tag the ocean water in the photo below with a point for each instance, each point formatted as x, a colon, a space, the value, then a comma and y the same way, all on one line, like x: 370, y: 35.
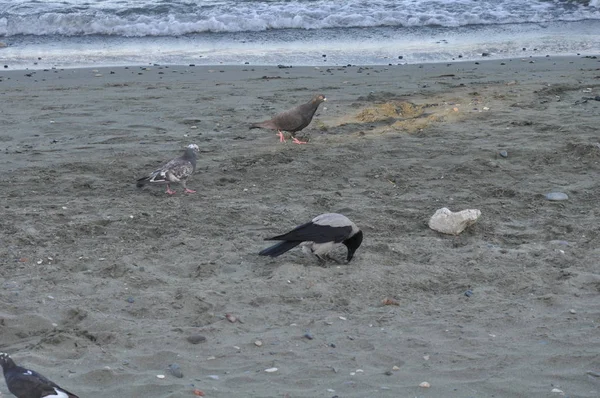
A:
x: 70, y: 33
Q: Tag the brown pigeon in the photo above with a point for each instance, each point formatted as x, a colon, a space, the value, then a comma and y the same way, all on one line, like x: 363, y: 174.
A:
x: 176, y: 170
x: 292, y: 120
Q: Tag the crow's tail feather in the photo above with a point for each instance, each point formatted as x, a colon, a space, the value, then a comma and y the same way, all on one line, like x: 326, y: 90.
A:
x: 279, y: 248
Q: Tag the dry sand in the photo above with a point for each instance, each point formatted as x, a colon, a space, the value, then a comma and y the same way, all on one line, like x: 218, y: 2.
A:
x: 102, y: 283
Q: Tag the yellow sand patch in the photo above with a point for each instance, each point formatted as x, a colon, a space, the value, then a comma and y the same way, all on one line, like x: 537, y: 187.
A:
x: 388, y: 110
x: 320, y: 125
x: 408, y: 116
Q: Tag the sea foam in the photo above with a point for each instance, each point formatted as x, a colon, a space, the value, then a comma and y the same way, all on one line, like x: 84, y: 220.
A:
x: 139, y: 18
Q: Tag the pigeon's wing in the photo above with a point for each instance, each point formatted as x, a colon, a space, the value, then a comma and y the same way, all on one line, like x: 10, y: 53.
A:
x: 311, y: 232
x: 291, y: 120
x: 179, y: 170
x: 173, y: 171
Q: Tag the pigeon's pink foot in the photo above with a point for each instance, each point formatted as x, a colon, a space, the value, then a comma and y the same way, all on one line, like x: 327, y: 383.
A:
x: 281, y: 137
x: 187, y: 190
x: 170, y: 191
x: 297, y: 141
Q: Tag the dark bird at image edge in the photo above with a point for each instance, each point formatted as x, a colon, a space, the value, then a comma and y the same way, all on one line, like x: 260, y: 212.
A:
x: 25, y: 383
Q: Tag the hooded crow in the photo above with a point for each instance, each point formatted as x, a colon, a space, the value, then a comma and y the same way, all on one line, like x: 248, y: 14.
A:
x: 25, y: 383
x: 319, y: 237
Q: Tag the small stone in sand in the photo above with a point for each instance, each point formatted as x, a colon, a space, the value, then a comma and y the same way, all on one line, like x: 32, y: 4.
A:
x: 425, y: 385
x: 196, y: 339
x: 389, y: 301
x: 556, y: 196
x: 271, y: 370
x: 231, y: 318
x: 557, y: 391
x: 258, y: 343
x: 175, y: 370
x: 198, y: 393
x: 469, y: 293
x: 130, y: 300
x: 308, y: 335
x: 395, y: 367
x: 160, y: 376
x: 504, y: 154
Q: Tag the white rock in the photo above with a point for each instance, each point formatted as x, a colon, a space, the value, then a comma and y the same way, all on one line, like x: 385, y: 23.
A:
x: 425, y: 385
x: 271, y: 370
x: 557, y: 391
x: 447, y: 222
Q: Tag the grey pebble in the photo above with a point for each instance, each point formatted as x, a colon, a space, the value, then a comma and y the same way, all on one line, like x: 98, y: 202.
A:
x: 196, y: 338
x: 130, y: 300
x: 504, y: 154
x: 308, y: 335
x: 175, y: 370
x: 556, y: 196
x: 469, y: 293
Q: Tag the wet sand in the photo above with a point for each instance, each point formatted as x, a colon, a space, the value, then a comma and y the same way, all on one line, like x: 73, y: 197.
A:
x: 102, y: 283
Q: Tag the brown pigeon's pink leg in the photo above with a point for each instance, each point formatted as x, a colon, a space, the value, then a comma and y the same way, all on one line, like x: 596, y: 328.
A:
x: 189, y: 190
x: 169, y: 190
x: 281, y: 137
x: 297, y: 141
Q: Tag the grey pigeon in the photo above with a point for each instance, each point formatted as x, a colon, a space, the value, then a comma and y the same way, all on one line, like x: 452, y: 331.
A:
x: 176, y: 170
x: 292, y: 120
x: 25, y: 383
x: 319, y: 237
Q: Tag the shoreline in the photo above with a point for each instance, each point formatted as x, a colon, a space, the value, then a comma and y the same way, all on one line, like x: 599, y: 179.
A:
x: 330, y: 47
x: 453, y: 60
x: 459, y: 63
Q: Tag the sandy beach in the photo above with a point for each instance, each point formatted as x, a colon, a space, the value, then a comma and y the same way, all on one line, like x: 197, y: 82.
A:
x: 103, y: 284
